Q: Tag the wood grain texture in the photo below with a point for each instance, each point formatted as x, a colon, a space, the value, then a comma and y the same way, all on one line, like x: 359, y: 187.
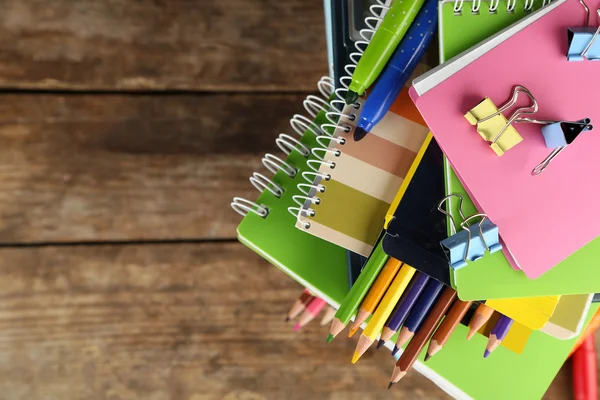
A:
x: 172, y: 322
x: 235, y: 45
x: 118, y: 167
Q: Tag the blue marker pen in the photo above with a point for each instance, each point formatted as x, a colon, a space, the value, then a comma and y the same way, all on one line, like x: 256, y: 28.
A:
x: 398, y: 70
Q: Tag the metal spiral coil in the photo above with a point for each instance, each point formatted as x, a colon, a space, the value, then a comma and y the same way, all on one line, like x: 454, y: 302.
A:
x: 287, y: 143
x: 494, y: 4
x: 335, y: 117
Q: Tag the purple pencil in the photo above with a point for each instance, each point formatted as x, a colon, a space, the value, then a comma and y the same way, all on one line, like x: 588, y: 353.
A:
x: 405, y: 304
x: 498, y: 334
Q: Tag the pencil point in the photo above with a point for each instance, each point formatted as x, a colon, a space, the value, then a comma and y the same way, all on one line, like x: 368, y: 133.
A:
x: 471, y: 333
x: 396, y: 348
x: 352, y: 331
x: 486, y: 353
x: 390, y: 385
x: 355, y: 357
x: 297, y: 327
x: 351, y: 97
x: 404, y: 337
x: 397, y: 374
x: 380, y: 344
x: 287, y: 319
x: 427, y: 357
x: 336, y: 327
x: 359, y: 133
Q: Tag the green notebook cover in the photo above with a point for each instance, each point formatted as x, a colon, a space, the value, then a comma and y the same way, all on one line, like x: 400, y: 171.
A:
x: 492, y: 277
x: 313, y: 262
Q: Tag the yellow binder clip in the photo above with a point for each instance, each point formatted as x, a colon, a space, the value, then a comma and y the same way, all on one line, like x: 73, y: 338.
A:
x: 493, y: 126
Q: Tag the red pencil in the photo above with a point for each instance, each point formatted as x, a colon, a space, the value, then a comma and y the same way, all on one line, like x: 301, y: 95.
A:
x: 584, y: 371
x: 299, y: 305
x: 310, y: 312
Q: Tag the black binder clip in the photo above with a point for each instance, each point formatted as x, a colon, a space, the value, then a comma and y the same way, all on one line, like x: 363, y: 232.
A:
x: 557, y: 136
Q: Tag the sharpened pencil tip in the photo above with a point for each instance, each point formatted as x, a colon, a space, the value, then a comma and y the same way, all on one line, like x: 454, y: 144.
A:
x: 355, y: 357
x: 390, y: 385
x: 351, y: 97
x: 359, y: 133
x: 380, y: 344
x: 486, y: 353
x: 297, y: 327
x: 396, y: 348
x: 352, y: 331
x: 330, y: 338
x: 427, y: 357
x: 287, y: 319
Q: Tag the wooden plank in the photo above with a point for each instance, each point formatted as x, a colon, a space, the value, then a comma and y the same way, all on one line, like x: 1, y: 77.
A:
x: 236, y: 45
x: 117, y: 167
x: 173, y: 322
x: 169, y: 322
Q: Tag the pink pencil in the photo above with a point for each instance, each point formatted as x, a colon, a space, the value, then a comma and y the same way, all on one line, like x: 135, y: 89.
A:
x: 310, y: 312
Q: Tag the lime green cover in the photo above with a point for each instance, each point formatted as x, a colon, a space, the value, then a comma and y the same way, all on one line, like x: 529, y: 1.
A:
x: 492, y: 277
x: 313, y: 262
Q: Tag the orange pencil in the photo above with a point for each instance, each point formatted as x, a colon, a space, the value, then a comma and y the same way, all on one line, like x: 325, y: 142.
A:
x: 299, y: 305
x: 448, y: 325
x: 481, y: 316
x: 376, y: 292
x: 424, y: 332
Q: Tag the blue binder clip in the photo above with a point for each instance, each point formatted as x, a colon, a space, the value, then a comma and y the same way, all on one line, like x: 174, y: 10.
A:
x: 558, y: 135
x: 582, y: 41
x: 471, y: 242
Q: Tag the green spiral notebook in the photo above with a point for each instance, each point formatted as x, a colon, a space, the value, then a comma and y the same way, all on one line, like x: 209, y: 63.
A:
x: 492, y: 277
x: 313, y: 262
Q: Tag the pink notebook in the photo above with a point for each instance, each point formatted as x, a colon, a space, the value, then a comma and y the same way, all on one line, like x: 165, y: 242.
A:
x: 545, y: 218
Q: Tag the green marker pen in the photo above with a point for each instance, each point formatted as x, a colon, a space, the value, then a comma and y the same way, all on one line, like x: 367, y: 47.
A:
x: 385, y: 40
x: 358, y: 291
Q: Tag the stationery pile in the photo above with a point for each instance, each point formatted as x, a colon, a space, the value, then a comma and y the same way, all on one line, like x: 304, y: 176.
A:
x: 467, y: 187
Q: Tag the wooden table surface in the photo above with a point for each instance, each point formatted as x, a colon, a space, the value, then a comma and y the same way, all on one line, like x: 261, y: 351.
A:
x: 126, y: 127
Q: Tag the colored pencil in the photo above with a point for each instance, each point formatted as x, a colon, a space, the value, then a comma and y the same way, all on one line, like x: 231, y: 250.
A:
x: 481, y: 316
x: 358, y: 291
x: 499, y: 331
x: 328, y: 317
x: 448, y: 325
x: 310, y: 312
x: 384, y: 310
x: 410, y: 355
x: 376, y: 292
x: 403, y: 307
x: 419, y: 312
x: 299, y: 305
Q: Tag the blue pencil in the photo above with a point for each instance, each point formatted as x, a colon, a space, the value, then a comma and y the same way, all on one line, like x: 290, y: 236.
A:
x: 419, y: 312
x: 405, y: 304
x: 398, y: 70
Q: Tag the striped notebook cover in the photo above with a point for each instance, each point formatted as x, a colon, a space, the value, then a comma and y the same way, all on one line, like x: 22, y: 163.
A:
x: 362, y: 178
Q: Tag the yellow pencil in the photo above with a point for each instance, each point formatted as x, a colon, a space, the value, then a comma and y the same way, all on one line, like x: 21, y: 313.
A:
x: 384, y: 310
x: 375, y: 294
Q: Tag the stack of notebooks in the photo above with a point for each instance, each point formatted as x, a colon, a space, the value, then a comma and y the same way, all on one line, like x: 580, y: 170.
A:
x: 468, y: 186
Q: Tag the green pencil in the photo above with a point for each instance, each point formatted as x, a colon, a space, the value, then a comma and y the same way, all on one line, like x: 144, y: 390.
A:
x: 385, y: 40
x: 358, y: 291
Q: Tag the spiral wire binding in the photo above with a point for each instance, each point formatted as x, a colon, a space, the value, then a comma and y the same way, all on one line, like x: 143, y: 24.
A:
x: 287, y: 143
x: 334, y: 115
x: 494, y: 4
